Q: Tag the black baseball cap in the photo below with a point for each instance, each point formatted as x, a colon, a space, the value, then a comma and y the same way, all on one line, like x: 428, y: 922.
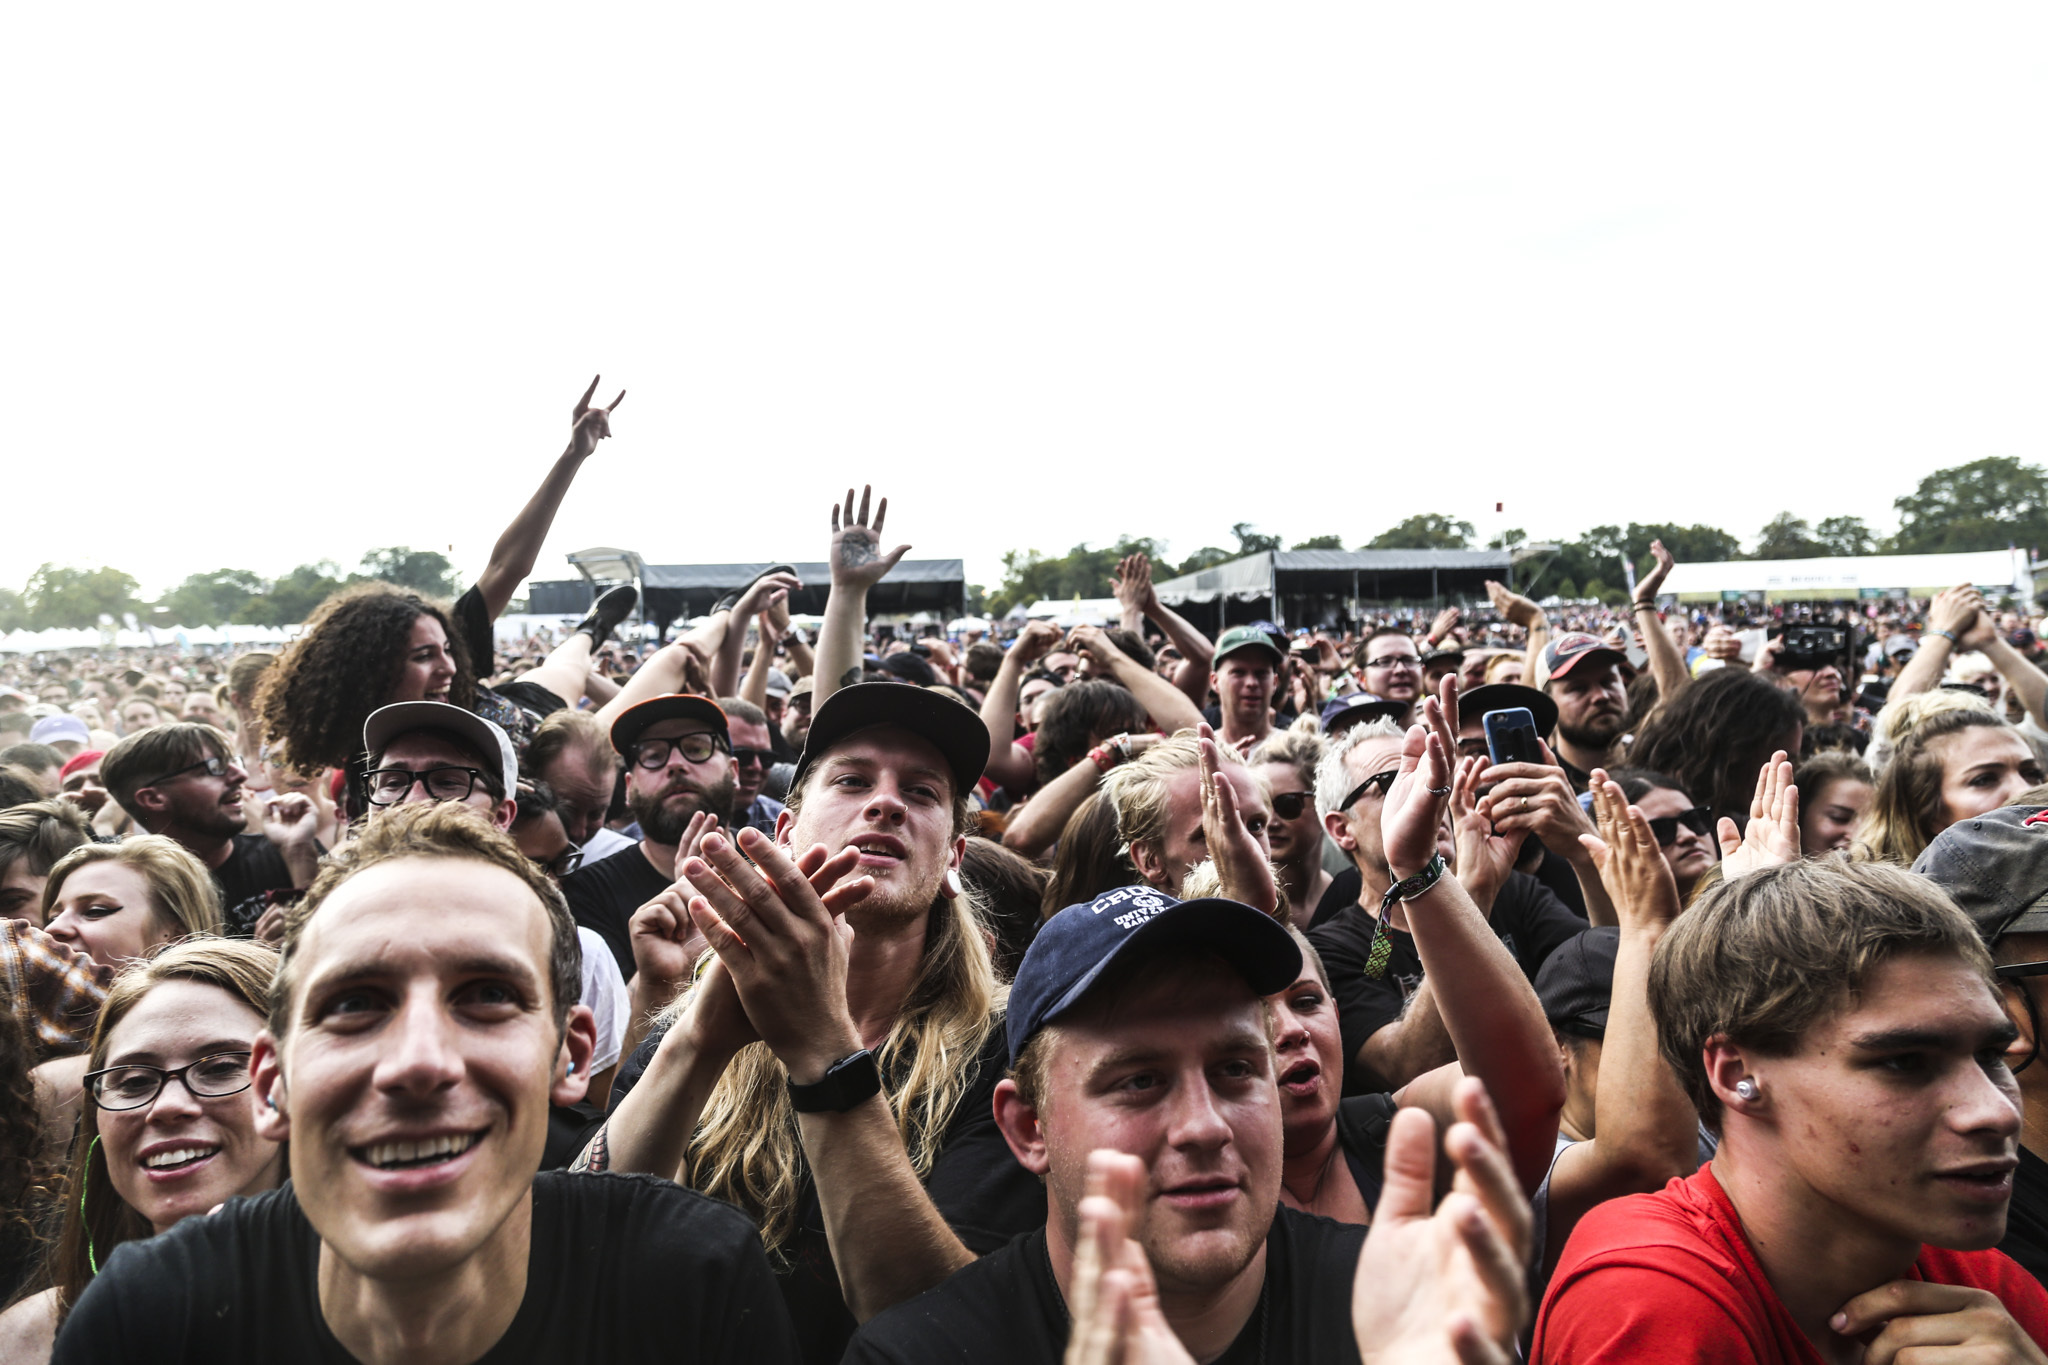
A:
x: 1995, y: 866
x: 1075, y: 947
x: 1354, y: 707
x: 634, y: 720
x: 1576, y: 982
x: 950, y: 727
x: 1473, y: 705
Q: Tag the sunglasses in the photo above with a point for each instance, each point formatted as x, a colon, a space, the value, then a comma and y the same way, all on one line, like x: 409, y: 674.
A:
x: 1383, y: 781
x: 760, y: 757
x: 1290, y: 805
x: 1699, y: 820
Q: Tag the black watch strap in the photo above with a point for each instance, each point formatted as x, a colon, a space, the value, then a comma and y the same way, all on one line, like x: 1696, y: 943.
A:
x: 850, y: 1080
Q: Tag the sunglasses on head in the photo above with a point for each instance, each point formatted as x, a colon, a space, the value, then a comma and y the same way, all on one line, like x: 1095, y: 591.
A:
x: 1699, y: 820
x: 1384, y: 781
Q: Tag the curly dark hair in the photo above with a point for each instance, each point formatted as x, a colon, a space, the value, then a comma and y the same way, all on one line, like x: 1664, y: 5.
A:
x: 315, y: 698
x: 25, y: 1180
x: 1716, y: 734
x: 1078, y: 717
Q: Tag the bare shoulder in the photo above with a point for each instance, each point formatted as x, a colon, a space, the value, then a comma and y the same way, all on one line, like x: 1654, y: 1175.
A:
x: 28, y: 1330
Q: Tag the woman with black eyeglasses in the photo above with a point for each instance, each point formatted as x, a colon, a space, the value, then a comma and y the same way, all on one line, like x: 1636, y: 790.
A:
x: 168, y: 1130
x: 1684, y: 831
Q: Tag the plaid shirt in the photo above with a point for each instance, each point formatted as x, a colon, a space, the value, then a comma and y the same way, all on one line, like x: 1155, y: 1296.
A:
x: 54, y: 991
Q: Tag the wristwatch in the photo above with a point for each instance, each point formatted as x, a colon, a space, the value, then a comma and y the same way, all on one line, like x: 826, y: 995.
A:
x: 850, y: 1080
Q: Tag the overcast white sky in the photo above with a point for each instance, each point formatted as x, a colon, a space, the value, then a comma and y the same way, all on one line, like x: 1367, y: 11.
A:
x: 287, y: 282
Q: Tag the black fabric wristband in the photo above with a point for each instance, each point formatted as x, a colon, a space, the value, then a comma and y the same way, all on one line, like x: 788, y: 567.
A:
x: 850, y: 1080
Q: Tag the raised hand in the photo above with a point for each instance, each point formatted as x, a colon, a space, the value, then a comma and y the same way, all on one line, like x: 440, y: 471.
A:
x: 291, y: 821
x: 755, y: 599
x: 1646, y: 590
x: 1100, y: 651
x: 591, y: 425
x: 1035, y: 641
x: 1243, y: 864
x: 1446, y: 622
x: 1722, y: 643
x: 775, y: 616
x: 1413, y: 812
x: 1446, y: 1286
x: 1131, y: 580
x: 1773, y: 833
x: 1514, y: 608
x: 1955, y: 611
x: 665, y: 944
x: 1486, y: 853
x: 1113, y: 1300
x: 1632, y: 866
x: 856, y: 556
x: 1535, y: 798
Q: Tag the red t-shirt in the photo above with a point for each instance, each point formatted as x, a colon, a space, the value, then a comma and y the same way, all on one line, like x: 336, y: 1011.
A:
x: 1672, y: 1277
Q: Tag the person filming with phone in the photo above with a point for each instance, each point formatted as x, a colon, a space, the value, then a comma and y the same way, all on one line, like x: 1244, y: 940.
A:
x: 1809, y: 661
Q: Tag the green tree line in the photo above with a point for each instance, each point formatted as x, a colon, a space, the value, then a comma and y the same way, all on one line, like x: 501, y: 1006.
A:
x: 1987, y: 504
x: 65, y: 596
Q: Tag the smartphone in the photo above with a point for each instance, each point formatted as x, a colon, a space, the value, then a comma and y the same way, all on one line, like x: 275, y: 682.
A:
x: 1511, y: 736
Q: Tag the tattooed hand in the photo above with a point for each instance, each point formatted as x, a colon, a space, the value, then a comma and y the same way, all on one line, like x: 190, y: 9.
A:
x: 856, y: 557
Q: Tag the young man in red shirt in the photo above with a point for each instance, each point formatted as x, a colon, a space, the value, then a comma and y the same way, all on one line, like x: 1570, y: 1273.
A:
x: 1838, y: 1026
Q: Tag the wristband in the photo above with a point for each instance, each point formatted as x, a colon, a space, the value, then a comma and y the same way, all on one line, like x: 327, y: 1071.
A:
x: 1100, y: 757
x: 1641, y: 606
x: 848, y: 1082
x: 1382, y: 949
x: 1946, y: 635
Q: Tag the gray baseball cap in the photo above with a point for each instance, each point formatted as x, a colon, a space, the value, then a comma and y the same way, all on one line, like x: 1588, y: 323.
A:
x: 1995, y: 866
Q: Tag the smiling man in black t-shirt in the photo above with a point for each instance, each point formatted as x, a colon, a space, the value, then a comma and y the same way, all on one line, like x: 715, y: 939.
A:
x: 421, y: 1023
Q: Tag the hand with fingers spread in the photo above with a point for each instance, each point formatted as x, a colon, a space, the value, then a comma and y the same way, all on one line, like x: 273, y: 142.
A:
x: 1448, y: 1285
x: 1772, y: 836
x: 1242, y: 859
x: 1632, y: 866
x: 1921, y: 1321
x: 1486, y: 851
x: 856, y: 556
x: 591, y: 425
x: 1536, y: 799
x: 779, y: 930
x: 1113, y: 1301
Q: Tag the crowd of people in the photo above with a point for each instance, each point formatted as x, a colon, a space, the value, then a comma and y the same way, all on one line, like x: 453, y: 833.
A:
x: 1573, y: 984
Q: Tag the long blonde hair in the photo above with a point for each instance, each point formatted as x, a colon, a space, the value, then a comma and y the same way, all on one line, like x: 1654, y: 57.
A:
x: 181, y: 891
x: 746, y: 1151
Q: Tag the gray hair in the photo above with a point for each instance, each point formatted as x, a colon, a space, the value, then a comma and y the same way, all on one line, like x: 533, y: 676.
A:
x: 1333, y: 780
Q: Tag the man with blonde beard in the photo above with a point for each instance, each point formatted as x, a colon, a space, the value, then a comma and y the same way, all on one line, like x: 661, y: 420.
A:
x: 849, y: 964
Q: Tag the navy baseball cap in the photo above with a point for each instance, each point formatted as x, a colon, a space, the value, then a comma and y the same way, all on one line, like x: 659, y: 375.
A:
x: 1075, y: 947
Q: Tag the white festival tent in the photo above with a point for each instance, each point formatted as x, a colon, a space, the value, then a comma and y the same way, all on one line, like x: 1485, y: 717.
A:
x: 1998, y: 572
x: 149, y: 637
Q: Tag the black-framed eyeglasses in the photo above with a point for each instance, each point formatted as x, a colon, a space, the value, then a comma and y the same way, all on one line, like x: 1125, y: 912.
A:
x: 761, y: 757
x: 1395, y: 661
x: 2015, y: 970
x: 563, y: 863
x: 1290, y: 805
x: 134, y: 1085
x: 1384, y: 781
x: 1699, y: 820
x: 697, y: 747
x: 215, y: 766
x: 389, y: 786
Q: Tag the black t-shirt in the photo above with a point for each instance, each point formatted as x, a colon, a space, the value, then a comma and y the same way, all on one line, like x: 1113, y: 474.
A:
x: 622, y: 1268
x: 2026, y: 1221
x: 247, y: 878
x: 976, y: 1185
x: 1008, y: 1308
x: 1362, y: 1124
x: 1528, y: 919
x: 1344, y: 890
x: 603, y: 895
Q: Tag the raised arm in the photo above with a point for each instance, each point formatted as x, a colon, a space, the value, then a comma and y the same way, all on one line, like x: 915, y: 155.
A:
x: 725, y: 664
x: 1518, y: 610
x: 1036, y: 825
x: 1168, y: 707
x: 1667, y: 660
x: 1645, y: 1130
x: 857, y: 564
x: 1489, y: 1014
x: 1010, y: 765
x: 754, y: 687
x: 1134, y: 576
x: 512, y: 558
x: 1953, y: 614
x: 2027, y: 681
